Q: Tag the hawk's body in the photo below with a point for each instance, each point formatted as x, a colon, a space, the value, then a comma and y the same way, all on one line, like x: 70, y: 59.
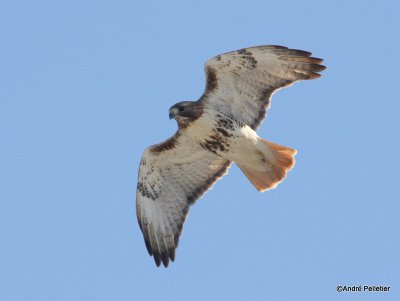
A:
x: 213, y: 132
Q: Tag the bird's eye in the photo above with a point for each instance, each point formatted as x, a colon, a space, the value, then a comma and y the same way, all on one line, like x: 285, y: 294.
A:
x: 181, y: 109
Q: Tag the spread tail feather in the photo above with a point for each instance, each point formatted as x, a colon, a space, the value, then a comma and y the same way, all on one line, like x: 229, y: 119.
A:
x: 278, y: 160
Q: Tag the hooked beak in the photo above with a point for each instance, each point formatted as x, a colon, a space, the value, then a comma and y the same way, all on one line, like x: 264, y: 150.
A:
x: 172, y: 113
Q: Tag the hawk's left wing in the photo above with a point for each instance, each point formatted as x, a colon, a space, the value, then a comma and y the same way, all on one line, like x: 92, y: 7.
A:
x: 172, y: 176
x: 240, y: 83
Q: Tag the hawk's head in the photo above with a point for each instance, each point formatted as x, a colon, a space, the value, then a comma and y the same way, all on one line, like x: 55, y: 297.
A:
x: 185, y: 112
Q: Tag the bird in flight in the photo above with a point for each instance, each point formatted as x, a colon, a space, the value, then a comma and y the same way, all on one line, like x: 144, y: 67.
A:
x: 214, y: 131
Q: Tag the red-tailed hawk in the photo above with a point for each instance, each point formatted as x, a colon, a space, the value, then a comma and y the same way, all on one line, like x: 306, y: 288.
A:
x: 213, y: 132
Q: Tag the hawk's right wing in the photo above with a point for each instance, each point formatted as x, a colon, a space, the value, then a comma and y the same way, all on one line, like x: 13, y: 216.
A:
x: 172, y: 176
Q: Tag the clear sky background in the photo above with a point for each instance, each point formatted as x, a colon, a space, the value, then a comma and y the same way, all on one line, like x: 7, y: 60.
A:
x: 85, y: 87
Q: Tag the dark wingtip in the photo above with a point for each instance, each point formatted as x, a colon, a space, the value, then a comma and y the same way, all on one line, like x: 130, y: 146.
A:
x: 148, y: 247
x: 171, y: 252
x: 157, y: 259
x: 165, y: 259
x: 301, y: 52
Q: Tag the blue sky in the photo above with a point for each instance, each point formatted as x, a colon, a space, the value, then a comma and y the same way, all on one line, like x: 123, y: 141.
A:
x: 85, y: 87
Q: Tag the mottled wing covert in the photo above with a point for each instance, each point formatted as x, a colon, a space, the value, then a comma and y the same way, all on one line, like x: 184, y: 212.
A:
x: 172, y: 176
x: 241, y: 83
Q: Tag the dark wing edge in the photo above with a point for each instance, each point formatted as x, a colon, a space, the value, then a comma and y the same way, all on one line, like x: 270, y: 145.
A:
x: 269, y: 67
x: 163, y: 198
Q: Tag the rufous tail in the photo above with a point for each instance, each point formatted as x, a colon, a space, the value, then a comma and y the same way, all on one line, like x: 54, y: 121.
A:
x: 278, y: 160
